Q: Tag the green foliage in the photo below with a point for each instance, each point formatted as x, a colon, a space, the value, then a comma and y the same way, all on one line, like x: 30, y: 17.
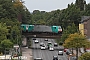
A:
x: 65, y: 17
x: 69, y: 30
x: 9, y: 16
x: 80, y: 4
x: 3, y: 31
x: 76, y: 41
x: 6, y: 44
x: 85, y: 56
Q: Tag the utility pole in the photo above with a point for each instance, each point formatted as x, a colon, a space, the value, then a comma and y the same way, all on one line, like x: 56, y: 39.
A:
x: 84, y: 7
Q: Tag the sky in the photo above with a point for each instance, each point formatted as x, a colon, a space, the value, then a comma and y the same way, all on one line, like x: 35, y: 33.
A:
x: 48, y: 5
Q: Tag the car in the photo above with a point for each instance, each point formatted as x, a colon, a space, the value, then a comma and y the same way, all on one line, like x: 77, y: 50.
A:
x: 43, y: 47
x: 74, y: 57
x: 46, y: 39
x: 65, y: 49
x: 60, y: 52
x: 38, y: 59
x: 34, y: 38
x: 55, y: 44
x: 41, y: 44
x: 68, y: 52
x: 82, y: 50
x: 49, y: 44
x: 36, y: 41
x: 51, y: 48
x: 87, y: 50
x: 55, y: 57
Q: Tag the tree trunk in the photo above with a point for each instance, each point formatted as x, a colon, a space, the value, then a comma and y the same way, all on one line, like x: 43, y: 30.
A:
x: 76, y: 53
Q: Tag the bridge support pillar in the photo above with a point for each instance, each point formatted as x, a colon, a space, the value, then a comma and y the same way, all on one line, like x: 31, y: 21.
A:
x: 28, y: 41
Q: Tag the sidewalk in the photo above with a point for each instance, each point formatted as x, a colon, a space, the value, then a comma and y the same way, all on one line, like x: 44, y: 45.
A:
x: 27, y: 53
x: 79, y: 54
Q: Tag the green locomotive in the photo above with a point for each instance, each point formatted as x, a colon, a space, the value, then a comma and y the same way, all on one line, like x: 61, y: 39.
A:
x: 41, y: 28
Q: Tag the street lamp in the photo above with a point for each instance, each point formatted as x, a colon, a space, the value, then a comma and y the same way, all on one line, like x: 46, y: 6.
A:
x: 12, y: 51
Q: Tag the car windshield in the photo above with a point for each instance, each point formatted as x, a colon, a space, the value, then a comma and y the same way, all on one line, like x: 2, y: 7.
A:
x: 55, y: 56
x: 34, y: 38
x: 43, y: 46
x: 49, y: 43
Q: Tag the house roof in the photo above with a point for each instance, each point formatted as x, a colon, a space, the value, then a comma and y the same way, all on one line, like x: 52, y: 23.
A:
x: 85, y: 18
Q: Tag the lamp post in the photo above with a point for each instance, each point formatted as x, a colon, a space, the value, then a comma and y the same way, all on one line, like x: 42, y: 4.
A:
x: 12, y: 51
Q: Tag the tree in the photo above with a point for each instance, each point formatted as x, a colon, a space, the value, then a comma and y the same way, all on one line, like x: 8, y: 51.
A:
x: 16, y: 34
x: 85, y: 56
x: 80, y: 4
x: 76, y: 41
x: 3, y: 31
x: 69, y: 30
x: 6, y: 44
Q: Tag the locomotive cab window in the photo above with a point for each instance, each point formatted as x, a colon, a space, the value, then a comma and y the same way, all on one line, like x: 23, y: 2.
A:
x: 29, y: 26
x: 23, y: 26
x: 55, y: 27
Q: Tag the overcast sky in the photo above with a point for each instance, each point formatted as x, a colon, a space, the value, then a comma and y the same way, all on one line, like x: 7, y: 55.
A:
x: 48, y: 5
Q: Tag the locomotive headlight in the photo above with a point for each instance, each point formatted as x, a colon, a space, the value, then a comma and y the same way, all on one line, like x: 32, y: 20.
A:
x: 27, y: 27
x: 60, y: 30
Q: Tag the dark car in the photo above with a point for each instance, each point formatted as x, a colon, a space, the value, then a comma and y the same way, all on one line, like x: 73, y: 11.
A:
x: 34, y: 38
x: 68, y: 52
x: 55, y: 44
x: 55, y: 57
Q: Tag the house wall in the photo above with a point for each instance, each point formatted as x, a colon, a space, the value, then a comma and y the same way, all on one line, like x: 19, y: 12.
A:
x: 88, y: 28
x: 85, y: 27
x: 86, y: 24
x: 81, y: 28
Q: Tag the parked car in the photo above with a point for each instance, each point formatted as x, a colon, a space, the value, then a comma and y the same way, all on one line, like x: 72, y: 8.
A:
x: 74, y: 57
x: 82, y: 50
x: 68, y: 52
x: 65, y: 49
x: 87, y: 50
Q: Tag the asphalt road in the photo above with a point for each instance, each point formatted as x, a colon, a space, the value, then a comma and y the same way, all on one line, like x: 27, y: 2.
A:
x: 46, y: 54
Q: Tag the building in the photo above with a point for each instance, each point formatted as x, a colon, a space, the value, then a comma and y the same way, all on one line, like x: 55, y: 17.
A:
x: 81, y: 28
x: 84, y: 26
